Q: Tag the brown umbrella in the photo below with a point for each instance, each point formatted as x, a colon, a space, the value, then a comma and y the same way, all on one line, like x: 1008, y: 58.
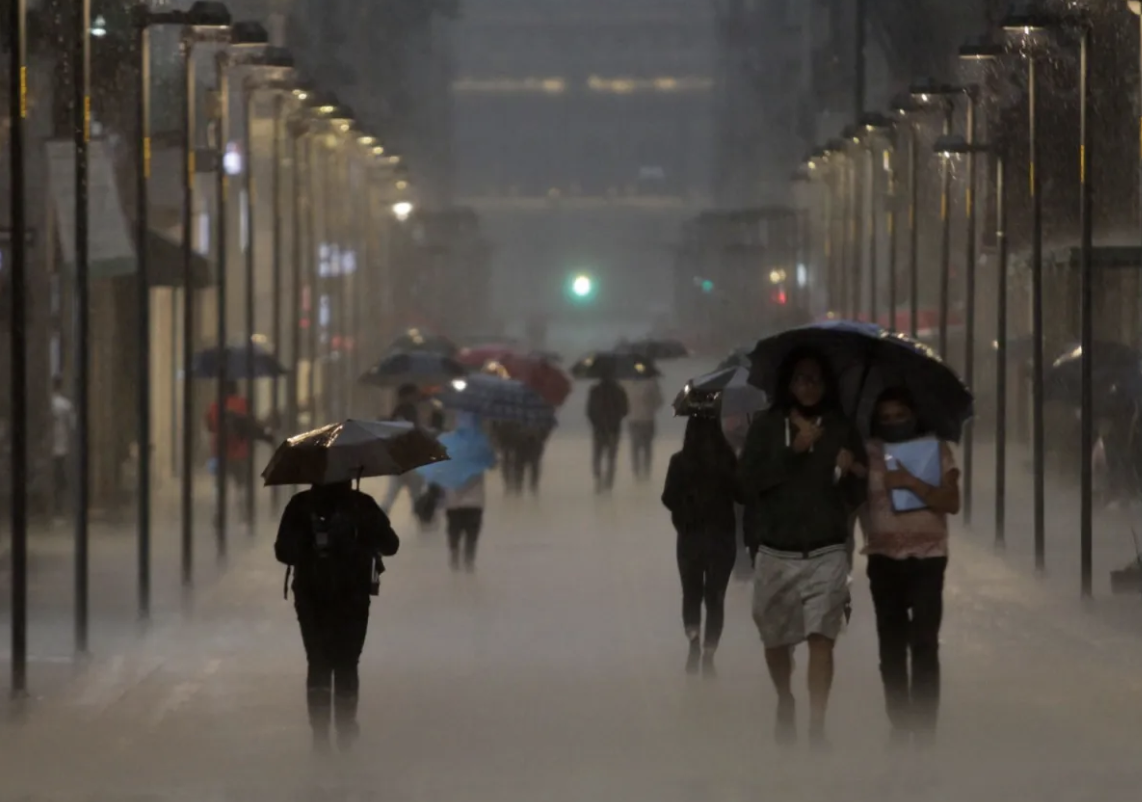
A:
x: 353, y: 449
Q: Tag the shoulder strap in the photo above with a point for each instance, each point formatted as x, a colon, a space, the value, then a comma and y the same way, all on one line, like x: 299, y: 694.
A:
x: 285, y: 585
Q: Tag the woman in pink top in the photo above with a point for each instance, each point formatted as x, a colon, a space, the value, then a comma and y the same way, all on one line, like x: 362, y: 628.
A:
x: 907, y: 556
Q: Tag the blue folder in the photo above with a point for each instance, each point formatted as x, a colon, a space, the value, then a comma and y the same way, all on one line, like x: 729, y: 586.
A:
x: 921, y: 458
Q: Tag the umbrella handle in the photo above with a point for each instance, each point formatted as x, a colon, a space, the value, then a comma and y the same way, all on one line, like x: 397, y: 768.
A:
x: 360, y: 473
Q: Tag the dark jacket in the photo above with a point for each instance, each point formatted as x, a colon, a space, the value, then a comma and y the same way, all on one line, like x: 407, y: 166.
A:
x: 796, y: 504
x: 607, y: 406
x: 407, y: 411
x: 701, y: 504
x: 295, y: 531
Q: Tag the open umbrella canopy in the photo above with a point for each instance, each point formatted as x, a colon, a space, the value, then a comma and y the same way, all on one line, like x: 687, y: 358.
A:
x: 477, y: 356
x: 421, y: 340
x: 414, y: 367
x: 498, y: 399
x: 537, y: 373
x: 207, y: 363
x: 614, y: 365
x: 654, y: 348
x: 722, y: 393
x: 865, y: 360
x: 352, y: 449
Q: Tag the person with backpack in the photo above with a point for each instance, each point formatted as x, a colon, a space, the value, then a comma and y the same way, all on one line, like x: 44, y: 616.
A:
x: 332, y: 539
x: 607, y: 408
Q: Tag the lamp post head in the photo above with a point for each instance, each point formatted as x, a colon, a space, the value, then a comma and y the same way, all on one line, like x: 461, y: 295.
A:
x: 208, y: 14
x: 1022, y: 19
x: 949, y: 145
x: 248, y: 33
x: 981, y: 48
x: 875, y: 122
x: 850, y: 134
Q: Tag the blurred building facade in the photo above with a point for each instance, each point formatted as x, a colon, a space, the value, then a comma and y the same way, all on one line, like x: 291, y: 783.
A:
x: 582, y: 138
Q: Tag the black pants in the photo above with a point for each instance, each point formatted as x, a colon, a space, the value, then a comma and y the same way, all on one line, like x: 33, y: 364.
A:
x: 705, y: 576
x: 909, y: 599
x: 334, y: 635
x: 463, y: 531
x: 523, y: 469
x: 605, y: 452
x: 642, y: 447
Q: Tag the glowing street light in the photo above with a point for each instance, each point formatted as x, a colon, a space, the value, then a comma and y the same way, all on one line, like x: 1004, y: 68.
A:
x: 581, y: 286
x: 402, y: 210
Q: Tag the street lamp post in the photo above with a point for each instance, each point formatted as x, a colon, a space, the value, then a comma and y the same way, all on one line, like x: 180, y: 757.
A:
x: 300, y: 147
x: 247, y: 40
x: 199, y: 15
x: 271, y: 70
x: 211, y: 25
x: 854, y: 277
x: 1086, y: 314
x: 18, y: 341
x: 930, y: 93
x: 875, y: 127
x: 1025, y: 25
x: 906, y: 108
x: 949, y: 146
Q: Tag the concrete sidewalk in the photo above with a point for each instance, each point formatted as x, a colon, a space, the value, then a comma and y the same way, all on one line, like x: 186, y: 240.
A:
x: 1114, y: 545
x: 555, y: 673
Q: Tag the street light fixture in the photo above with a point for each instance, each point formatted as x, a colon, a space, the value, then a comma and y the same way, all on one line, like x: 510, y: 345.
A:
x: 246, y: 42
x: 953, y: 146
x: 1023, y: 26
x: 930, y: 93
x: 271, y: 69
x: 906, y: 109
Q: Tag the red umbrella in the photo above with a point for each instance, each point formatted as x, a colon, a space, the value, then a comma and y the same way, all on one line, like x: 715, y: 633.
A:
x: 538, y: 374
x: 480, y: 355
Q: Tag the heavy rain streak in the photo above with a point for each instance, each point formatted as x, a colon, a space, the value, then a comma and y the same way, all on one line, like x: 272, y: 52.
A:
x: 610, y: 400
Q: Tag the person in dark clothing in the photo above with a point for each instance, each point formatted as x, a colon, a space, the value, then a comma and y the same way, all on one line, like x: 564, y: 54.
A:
x: 527, y: 461
x: 607, y: 407
x: 332, y: 538
x: 701, y: 490
x: 407, y: 409
x: 802, y: 472
x: 907, y: 557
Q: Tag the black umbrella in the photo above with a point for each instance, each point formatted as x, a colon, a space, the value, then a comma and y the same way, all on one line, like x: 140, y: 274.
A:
x: 614, y: 365
x: 866, y: 359
x: 720, y: 393
x: 416, y: 367
x: 353, y: 449
x: 207, y: 363
x: 421, y: 340
x: 655, y: 349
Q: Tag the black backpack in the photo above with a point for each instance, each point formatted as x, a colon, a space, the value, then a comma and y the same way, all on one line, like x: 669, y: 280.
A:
x: 334, y: 562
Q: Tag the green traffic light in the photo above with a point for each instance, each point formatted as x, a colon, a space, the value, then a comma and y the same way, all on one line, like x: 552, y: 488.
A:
x: 581, y: 286
x: 707, y: 286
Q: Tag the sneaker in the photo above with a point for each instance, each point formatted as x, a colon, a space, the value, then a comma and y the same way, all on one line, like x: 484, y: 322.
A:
x: 785, y: 730
x: 694, y: 657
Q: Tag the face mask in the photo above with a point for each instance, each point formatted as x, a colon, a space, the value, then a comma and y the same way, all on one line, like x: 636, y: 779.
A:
x: 898, y: 432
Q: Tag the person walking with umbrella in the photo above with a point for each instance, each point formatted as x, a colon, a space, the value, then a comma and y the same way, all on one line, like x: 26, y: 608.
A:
x: 465, y: 495
x: 645, y: 397
x: 700, y: 492
x: 332, y: 538
x: 607, y: 407
x: 408, y: 409
x: 799, y: 472
x: 906, y: 540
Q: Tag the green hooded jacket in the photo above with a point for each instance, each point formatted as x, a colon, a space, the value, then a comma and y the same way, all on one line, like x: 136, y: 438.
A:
x: 795, y: 501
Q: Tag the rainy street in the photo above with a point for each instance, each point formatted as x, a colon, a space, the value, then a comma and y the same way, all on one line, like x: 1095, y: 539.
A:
x: 556, y: 671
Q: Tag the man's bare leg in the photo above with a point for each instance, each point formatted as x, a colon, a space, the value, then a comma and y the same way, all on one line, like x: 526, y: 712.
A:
x: 779, y: 661
x: 820, y: 684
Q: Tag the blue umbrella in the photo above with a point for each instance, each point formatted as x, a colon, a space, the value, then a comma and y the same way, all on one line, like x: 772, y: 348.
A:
x: 207, y: 363
x: 865, y: 359
x: 499, y: 399
x: 470, y: 454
